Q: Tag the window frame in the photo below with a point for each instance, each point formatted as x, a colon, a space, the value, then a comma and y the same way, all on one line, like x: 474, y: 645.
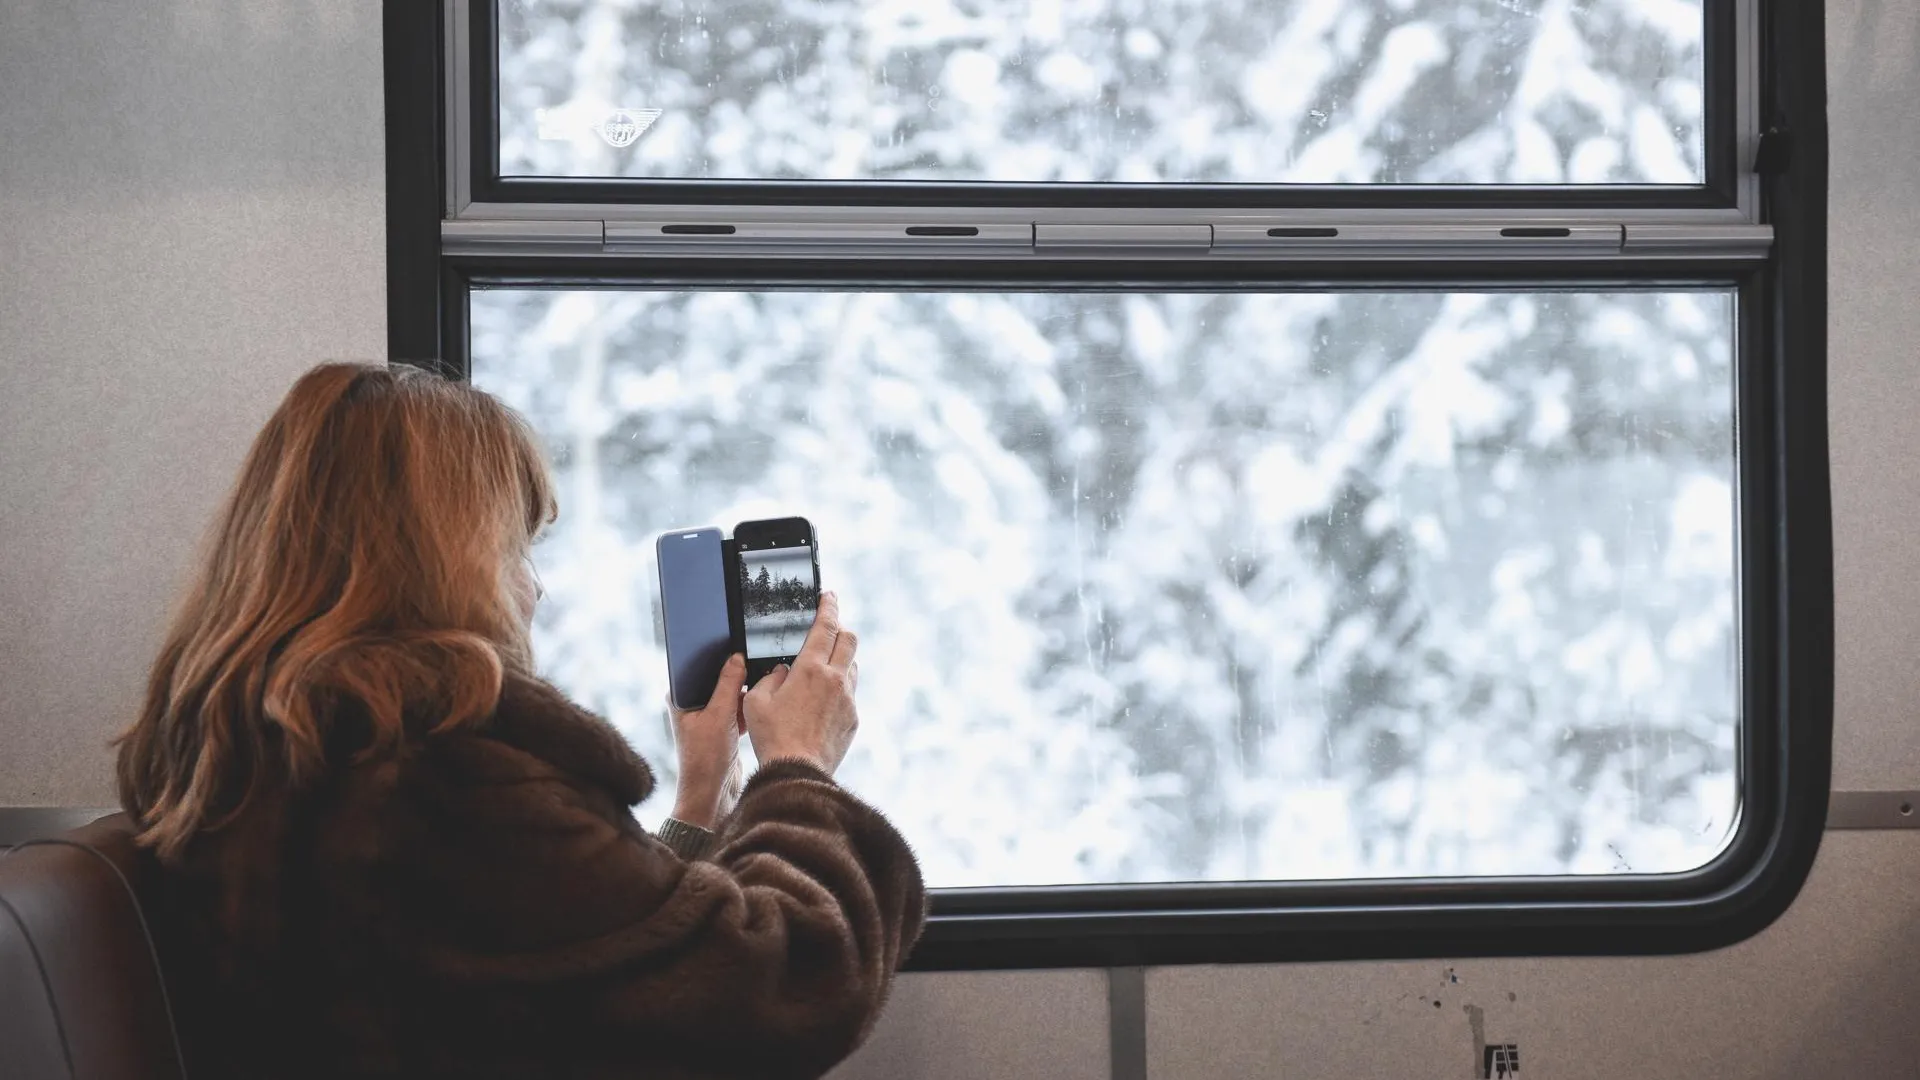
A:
x: 1784, y: 560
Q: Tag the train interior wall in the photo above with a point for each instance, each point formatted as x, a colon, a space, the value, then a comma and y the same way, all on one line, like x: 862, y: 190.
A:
x: 192, y: 212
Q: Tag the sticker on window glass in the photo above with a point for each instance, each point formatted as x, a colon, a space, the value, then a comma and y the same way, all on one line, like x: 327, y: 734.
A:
x: 618, y: 128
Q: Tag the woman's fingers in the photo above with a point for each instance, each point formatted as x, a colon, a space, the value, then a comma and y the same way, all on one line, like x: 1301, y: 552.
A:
x: 773, y: 680
x: 845, y: 643
x: 826, y: 628
x: 726, y: 692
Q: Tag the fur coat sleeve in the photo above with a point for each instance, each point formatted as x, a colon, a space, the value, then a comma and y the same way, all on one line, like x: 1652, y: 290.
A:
x: 485, y: 904
x: 776, y: 950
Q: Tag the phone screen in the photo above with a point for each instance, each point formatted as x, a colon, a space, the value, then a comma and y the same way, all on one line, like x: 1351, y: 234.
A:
x: 693, y: 613
x: 779, y: 590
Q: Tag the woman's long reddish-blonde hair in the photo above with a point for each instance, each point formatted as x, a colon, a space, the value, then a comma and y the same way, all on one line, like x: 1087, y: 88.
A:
x: 362, y: 556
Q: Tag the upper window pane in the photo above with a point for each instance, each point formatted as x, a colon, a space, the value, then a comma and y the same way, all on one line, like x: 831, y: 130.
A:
x: 1188, y: 586
x: 1126, y: 91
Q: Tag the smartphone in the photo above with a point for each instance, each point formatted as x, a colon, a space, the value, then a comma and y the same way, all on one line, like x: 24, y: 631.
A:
x: 693, y: 612
x: 777, y: 583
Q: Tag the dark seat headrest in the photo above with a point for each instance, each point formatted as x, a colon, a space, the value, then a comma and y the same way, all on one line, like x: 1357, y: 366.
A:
x: 79, y: 978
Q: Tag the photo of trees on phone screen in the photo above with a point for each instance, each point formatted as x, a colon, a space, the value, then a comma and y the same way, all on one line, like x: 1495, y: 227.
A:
x: 778, y: 595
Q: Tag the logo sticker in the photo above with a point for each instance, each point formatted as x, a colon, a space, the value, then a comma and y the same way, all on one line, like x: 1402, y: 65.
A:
x: 575, y: 121
x: 623, y: 126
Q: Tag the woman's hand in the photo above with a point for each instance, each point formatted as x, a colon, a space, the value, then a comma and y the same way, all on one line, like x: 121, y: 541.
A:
x: 806, y: 711
x: 708, y: 741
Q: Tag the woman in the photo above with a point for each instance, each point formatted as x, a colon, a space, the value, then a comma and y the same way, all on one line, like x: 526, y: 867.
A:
x: 390, y: 850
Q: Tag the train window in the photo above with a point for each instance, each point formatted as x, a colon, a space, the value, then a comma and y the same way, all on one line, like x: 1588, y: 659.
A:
x: 1129, y: 91
x: 1315, y: 480
x: 1185, y: 586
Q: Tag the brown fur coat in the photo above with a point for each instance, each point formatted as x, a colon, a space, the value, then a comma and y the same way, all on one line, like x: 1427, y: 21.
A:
x: 485, y: 906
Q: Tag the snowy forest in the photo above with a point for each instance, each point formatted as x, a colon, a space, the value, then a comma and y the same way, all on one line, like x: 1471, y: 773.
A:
x: 763, y: 594
x: 1170, y: 585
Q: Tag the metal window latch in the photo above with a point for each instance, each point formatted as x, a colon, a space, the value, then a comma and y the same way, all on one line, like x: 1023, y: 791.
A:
x: 719, y: 234
x: 1281, y: 237
x: 1417, y: 240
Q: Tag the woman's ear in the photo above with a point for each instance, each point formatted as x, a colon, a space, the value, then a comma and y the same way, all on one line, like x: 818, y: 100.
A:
x: 523, y: 586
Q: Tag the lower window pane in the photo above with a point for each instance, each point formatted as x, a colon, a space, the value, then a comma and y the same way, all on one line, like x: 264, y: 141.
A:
x: 1189, y: 586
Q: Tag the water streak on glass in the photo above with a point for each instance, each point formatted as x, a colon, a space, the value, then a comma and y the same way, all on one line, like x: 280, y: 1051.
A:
x: 1187, y: 586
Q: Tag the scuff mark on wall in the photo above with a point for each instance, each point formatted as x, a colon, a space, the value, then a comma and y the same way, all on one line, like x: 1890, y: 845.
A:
x: 1477, y: 1021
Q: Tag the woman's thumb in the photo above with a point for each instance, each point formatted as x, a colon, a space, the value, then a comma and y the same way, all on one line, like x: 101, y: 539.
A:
x: 732, y: 674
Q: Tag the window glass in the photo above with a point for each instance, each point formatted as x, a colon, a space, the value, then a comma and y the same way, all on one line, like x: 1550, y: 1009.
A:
x: 1161, y: 91
x: 1189, y: 586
